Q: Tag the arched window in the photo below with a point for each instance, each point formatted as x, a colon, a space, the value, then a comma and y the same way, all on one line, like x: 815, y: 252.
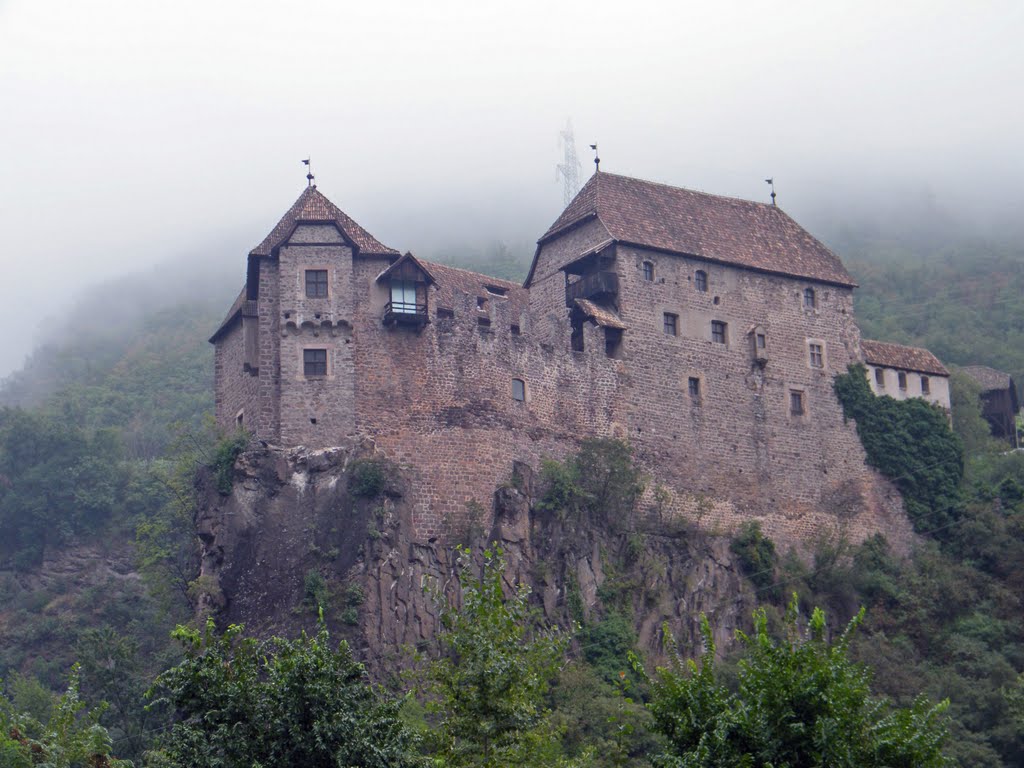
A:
x: 648, y: 271
x: 700, y: 280
x: 810, y: 300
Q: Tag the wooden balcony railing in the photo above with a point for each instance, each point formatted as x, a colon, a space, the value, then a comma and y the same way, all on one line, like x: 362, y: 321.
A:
x: 592, y: 286
x: 406, y: 312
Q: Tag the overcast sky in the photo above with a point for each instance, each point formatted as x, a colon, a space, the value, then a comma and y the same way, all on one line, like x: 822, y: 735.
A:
x: 134, y: 132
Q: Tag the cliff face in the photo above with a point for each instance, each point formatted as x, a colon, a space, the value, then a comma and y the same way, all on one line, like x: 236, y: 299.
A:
x: 334, y: 527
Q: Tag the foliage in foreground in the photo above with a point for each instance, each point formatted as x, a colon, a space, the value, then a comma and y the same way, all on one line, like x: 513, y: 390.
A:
x: 800, y: 702
x: 71, y: 737
x: 243, y: 703
x: 488, y: 686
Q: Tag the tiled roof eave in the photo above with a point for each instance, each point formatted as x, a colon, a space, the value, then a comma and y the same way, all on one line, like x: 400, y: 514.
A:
x: 739, y: 265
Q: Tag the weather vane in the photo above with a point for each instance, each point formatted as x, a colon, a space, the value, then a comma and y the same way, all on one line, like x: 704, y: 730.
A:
x: 597, y: 159
x: 771, y: 182
x: 309, y: 172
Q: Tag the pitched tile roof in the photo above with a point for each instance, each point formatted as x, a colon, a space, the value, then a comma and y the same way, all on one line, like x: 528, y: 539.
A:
x: 989, y: 378
x: 312, y: 206
x: 723, y: 229
x: 898, y: 356
x: 603, y: 316
x: 233, y: 313
x: 451, y: 280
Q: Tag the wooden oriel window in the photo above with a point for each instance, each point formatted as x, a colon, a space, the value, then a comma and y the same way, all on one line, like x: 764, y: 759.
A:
x: 314, y: 362
x: 316, y: 283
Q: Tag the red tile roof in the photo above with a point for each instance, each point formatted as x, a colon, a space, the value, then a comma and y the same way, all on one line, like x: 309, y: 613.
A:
x: 897, y: 356
x: 451, y: 280
x: 722, y: 229
x: 312, y: 206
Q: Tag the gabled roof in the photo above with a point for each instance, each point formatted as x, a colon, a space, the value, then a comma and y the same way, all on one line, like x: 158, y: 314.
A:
x: 989, y: 378
x: 451, y: 280
x: 888, y: 355
x: 313, y: 207
x: 411, y: 260
x: 741, y: 233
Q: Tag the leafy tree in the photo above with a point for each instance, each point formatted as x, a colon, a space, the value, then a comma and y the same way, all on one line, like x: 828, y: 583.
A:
x: 71, y: 737
x: 800, y: 702
x: 244, y: 703
x: 489, y: 684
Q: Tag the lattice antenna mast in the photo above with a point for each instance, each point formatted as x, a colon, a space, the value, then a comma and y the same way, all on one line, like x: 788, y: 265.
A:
x: 569, y: 169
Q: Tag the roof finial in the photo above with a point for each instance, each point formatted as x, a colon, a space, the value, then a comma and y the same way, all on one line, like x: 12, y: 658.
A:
x: 597, y: 159
x: 309, y: 173
x: 771, y: 181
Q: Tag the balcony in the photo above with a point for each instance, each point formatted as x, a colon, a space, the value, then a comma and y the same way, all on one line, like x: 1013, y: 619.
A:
x: 405, y: 313
x: 596, y: 285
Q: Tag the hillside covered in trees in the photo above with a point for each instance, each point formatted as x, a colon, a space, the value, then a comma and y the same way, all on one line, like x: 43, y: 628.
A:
x: 103, y: 429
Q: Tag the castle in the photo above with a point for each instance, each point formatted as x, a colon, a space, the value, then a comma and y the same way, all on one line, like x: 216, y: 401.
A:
x: 704, y: 330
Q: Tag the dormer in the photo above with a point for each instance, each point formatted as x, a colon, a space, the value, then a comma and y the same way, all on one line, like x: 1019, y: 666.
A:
x: 408, y: 284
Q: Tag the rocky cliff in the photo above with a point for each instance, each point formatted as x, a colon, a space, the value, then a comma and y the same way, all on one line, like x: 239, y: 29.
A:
x: 333, y: 528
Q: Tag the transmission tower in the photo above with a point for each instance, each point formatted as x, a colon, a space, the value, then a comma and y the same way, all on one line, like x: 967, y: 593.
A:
x: 569, y: 169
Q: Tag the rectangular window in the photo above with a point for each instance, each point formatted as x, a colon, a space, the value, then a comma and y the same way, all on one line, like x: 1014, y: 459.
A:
x: 761, y: 341
x: 926, y: 388
x: 671, y: 324
x: 648, y: 271
x: 518, y: 390
x: 316, y: 283
x: 700, y: 280
x: 314, y: 362
x: 718, y: 329
x: 796, y: 402
x: 903, y: 380
x: 817, y: 356
x: 694, y: 387
x: 403, y: 297
x: 880, y: 378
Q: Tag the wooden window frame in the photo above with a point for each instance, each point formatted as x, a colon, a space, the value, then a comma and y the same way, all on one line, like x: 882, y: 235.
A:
x: 311, y: 366
x: 700, y: 281
x: 317, y: 284
x: 719, y: 332
x: 670, y: 323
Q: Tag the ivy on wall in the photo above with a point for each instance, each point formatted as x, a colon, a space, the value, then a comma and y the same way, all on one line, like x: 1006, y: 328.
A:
x: 910, y: 442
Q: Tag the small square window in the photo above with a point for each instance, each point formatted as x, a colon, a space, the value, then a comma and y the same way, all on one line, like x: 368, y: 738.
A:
x: 718, y: 332
x: 926, y: 387
x: 648, y: 271
x: 700, y: 280
x: 817, y: 355
x: 316, y: 283
x: 902, y: 379
x: 314, y: 362
x: 796, y: 402
x: 671, y: 324
x: 880, y: 378
x: 518, y: 390
x: 694, y: 387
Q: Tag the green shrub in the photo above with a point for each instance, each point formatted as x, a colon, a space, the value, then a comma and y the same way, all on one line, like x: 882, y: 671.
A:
x: 368, y: 478
x: 224, y: 456
x: 756, y: 554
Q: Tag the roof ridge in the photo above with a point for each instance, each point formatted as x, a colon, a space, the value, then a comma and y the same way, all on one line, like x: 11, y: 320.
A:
x: 678, y: 188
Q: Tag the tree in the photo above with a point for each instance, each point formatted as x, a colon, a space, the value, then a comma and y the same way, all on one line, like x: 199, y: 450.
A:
x: 244, y: 703
x: 489, y: 684
x: 800, y: 702
x: 71, y: 737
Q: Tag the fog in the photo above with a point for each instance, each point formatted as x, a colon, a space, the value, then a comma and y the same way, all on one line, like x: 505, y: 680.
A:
x: 137, y: 132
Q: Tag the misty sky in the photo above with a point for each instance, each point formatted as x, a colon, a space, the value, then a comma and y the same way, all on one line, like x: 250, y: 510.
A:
x: 135, y: 132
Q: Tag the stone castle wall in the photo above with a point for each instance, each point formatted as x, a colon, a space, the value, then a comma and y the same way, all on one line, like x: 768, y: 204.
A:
x: 438, y: 399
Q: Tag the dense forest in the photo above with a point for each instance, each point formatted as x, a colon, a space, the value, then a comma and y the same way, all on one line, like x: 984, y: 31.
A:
x: 101, y: 432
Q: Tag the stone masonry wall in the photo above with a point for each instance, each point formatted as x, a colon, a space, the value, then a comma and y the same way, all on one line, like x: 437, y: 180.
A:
x: 236, y: 390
